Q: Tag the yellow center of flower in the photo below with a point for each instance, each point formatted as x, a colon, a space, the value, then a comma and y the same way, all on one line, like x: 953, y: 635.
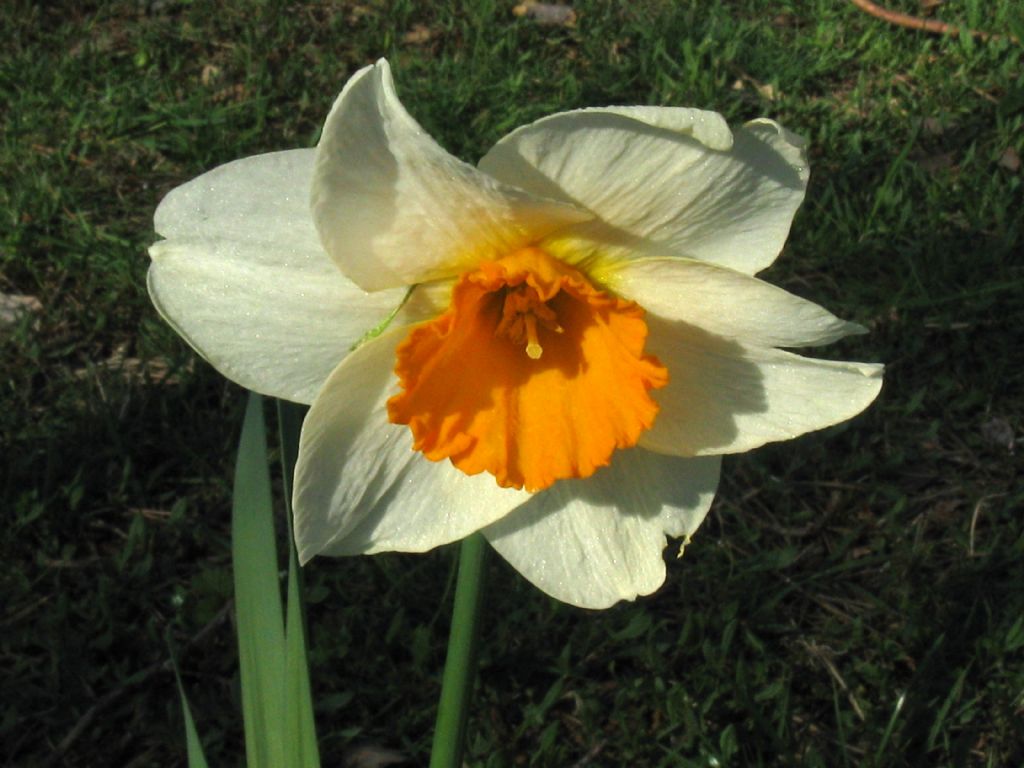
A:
x: 532, y: 374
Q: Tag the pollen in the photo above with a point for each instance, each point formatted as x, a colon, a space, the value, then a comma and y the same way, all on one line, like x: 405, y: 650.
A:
x: 532, y: 374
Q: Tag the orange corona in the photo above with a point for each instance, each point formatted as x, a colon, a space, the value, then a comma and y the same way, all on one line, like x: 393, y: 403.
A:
x: 532, y: 374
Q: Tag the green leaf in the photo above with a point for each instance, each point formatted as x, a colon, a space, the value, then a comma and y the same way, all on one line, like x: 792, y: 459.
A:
x: 261, y: 640
x: 196, y: 758
x: 301, y: 726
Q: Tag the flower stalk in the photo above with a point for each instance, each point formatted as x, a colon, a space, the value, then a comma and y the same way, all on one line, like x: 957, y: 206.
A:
x: 460, y: 665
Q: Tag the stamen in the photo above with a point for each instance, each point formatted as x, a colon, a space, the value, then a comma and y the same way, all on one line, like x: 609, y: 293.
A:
x: 533, y: 348
x: 469, y: 395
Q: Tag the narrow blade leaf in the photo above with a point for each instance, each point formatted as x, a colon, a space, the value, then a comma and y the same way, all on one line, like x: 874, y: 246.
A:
x: 196, y: 757
x: 299, y: 702
x: 261, y: 645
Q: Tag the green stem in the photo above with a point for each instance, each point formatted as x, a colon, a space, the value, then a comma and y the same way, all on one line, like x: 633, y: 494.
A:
x: 460, y: 666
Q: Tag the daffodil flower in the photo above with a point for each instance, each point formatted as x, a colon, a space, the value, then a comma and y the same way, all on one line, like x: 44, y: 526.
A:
x: 554, y: 348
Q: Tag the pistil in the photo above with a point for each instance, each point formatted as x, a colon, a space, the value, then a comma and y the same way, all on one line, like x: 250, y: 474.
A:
x: 533, y: 348
x: 471, y: 395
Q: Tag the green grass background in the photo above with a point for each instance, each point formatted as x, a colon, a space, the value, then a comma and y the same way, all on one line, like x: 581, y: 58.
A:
x: 855, y: 597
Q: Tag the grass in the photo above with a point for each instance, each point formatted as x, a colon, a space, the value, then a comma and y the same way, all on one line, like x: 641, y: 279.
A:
x: 854, y: 598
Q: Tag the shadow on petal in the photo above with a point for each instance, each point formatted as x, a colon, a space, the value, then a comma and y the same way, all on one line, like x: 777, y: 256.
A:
x: 637, y: 484
x: 594, y: 542
x: 711, y: 384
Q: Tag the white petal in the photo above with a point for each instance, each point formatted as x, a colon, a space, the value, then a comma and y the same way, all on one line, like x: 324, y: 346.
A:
x: 709, y: 128
x: 274, y: 318
x: 263, y: 199
x: 660, y: 190
x: 360, y: 487
x: 724, y: 397
x: 724, y: 302
x: 596, y: 541
x: 393, y: 208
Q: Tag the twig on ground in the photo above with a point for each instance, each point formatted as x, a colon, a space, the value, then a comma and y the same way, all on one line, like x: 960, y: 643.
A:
x: 824, y: 656
x: 590, y: 756
x: 926, y: 25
